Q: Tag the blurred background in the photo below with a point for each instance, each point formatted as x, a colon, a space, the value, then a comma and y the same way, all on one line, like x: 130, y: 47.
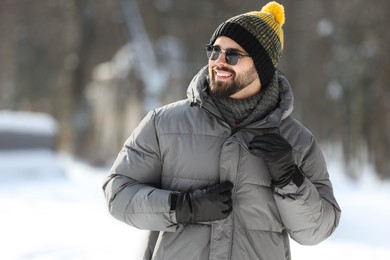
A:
x: 98, y: 66
x: 77, y: 76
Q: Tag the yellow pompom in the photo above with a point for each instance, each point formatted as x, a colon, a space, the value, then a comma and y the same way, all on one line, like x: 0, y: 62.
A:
x: 277, y: 10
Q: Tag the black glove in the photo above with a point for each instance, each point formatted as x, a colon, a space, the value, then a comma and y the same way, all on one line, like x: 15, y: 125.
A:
x: 208, y: 204
x: 278, y: 156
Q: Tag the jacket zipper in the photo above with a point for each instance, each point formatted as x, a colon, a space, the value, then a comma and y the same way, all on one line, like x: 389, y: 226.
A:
x: 234, y: 199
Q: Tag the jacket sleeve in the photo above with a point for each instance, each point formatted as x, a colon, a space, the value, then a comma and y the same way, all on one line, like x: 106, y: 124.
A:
x: 132, y: 185
x: 310, y: 212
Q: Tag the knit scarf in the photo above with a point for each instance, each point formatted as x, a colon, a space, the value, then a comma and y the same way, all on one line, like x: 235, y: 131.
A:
x: 240, y: 113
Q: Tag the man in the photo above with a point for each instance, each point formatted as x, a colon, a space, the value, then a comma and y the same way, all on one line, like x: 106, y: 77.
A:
x: 227, y: 173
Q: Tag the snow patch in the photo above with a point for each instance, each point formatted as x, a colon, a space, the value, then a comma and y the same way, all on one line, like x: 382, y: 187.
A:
x: 27, y: 122
x: 24, y: 165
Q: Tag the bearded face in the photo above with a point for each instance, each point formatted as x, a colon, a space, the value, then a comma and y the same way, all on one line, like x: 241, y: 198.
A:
x: 225, y: 82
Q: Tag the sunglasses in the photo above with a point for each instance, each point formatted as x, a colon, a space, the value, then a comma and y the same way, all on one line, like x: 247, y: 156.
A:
x: 232, y: 57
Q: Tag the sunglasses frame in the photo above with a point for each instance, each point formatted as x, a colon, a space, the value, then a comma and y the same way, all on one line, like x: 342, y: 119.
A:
x: 232, y: 57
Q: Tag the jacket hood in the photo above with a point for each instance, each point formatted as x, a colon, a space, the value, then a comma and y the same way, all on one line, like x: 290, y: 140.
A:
x: 197, y: 95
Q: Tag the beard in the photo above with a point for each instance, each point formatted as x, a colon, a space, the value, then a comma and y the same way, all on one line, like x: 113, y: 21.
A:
x: 224, y: 89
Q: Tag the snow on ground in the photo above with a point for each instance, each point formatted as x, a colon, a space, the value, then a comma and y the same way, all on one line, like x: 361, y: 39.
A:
x: 64, y: 216
x: 364, y: 228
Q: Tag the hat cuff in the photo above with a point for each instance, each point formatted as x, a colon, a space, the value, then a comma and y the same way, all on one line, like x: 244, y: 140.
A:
x: 263, y: 63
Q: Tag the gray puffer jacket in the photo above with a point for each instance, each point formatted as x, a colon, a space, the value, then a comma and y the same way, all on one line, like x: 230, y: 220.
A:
x: 187, y: 145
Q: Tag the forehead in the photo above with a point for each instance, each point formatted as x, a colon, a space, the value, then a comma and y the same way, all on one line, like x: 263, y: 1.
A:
x: 227, y: 43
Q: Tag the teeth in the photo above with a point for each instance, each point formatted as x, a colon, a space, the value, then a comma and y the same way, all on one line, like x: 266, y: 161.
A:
x: 221, y: 74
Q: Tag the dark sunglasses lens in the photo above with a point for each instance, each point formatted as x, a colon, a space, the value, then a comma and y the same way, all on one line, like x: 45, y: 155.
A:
x: 231, y: 58
x: 209, y: 51
x: 212, y: 52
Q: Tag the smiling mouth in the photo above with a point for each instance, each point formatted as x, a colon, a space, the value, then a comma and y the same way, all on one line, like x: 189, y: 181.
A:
x: 222, y: 74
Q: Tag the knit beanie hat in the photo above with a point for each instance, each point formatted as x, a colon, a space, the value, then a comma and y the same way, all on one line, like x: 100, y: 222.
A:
x: 260, y: 33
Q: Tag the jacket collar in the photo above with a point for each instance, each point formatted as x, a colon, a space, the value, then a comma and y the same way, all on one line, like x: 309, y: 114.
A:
x: 198, y: 96
x: 196, y: 91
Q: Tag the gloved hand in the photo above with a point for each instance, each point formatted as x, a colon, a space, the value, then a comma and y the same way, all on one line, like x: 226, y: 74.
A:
x: 207, y: 204
x: 278, y: 156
